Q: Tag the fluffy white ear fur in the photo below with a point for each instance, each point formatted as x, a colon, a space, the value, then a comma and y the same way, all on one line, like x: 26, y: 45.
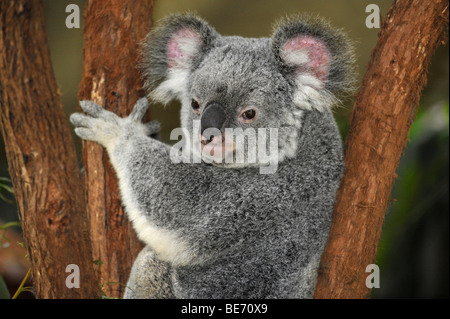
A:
x: 181, y: 49
x: 311, y: 60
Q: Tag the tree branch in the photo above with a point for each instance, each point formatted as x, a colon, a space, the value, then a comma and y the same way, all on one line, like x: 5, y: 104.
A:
x: 41, y: 156
x: 383, y: 112
x: 112, y: 32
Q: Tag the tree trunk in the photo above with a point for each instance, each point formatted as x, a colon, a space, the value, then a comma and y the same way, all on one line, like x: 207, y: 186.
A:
x: 41, y: 156
x: 384, y: 110
x: 110, y: 78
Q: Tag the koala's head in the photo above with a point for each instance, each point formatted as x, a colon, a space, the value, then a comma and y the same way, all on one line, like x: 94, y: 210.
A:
x: 232, y: 89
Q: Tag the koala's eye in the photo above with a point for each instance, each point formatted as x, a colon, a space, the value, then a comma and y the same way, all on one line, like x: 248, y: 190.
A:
x: 248, y: 115
x: 195, y: 106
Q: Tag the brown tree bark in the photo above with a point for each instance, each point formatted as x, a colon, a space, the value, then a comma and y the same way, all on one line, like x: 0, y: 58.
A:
x: 41, y: 156
x: 384, y: 110
x: 110, y: 78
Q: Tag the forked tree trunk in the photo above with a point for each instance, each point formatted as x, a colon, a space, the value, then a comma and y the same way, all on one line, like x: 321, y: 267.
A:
x: 110, y: 78
x: 41, y: 156
x: 383, y: 112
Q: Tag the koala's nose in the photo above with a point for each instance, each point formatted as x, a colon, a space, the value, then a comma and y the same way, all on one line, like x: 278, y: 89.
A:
x: 213, y: 116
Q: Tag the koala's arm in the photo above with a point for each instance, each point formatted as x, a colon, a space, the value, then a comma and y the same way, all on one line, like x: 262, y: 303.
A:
x: 172, y: 206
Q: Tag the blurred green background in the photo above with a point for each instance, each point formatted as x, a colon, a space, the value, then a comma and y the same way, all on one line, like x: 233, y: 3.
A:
x: 413, y: 253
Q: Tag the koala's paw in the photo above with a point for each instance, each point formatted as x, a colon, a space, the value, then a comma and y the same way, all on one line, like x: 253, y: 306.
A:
x: 105, y: 127
x: 152, y: 129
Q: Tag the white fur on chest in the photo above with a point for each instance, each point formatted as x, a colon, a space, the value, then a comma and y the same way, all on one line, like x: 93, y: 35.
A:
x: 165, y: 243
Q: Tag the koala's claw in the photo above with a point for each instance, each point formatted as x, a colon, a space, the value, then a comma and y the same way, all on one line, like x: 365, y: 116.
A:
x: 80, y: 120
x: 85, y: 133
x: 91, y: 108
x: 95, y: 110
x: 152, y: 128
x: 139, y: 110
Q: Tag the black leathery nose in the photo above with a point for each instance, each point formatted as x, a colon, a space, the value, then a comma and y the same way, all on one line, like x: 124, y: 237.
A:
x: 213, y: 117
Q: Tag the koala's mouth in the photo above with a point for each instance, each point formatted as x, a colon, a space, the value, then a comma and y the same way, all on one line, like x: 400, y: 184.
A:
x: 217, y: 147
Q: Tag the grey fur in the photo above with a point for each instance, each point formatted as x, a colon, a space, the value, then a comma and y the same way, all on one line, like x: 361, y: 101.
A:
x: 222, y: 231
x: 145, y: 284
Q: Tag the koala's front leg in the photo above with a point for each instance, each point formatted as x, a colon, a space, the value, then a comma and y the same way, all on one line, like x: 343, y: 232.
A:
x: 158, y: 194
x: 150, y: 278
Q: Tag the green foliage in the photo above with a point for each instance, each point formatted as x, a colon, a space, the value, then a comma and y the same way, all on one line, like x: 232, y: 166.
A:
x: 5, y: 185
x: 22, y: 287
x: 4, y: 243
x: 412, y: 249
x: 98, y: 262
x: 103, y: 293
x: 4, y: 240
x: 4, y: 293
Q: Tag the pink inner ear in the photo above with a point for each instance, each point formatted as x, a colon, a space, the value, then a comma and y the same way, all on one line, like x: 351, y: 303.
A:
x: 318, y: 56
x: 182, y: 47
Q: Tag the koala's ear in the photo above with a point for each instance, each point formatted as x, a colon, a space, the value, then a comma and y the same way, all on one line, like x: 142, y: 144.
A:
x: 316, y: 58
x: 171, y: 52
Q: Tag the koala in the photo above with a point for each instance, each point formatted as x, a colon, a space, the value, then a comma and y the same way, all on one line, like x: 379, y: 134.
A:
x: 216, y: 229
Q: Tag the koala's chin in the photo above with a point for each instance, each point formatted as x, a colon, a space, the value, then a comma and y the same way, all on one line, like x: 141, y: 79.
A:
x: 237, y: 165
x: 227, y: 153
